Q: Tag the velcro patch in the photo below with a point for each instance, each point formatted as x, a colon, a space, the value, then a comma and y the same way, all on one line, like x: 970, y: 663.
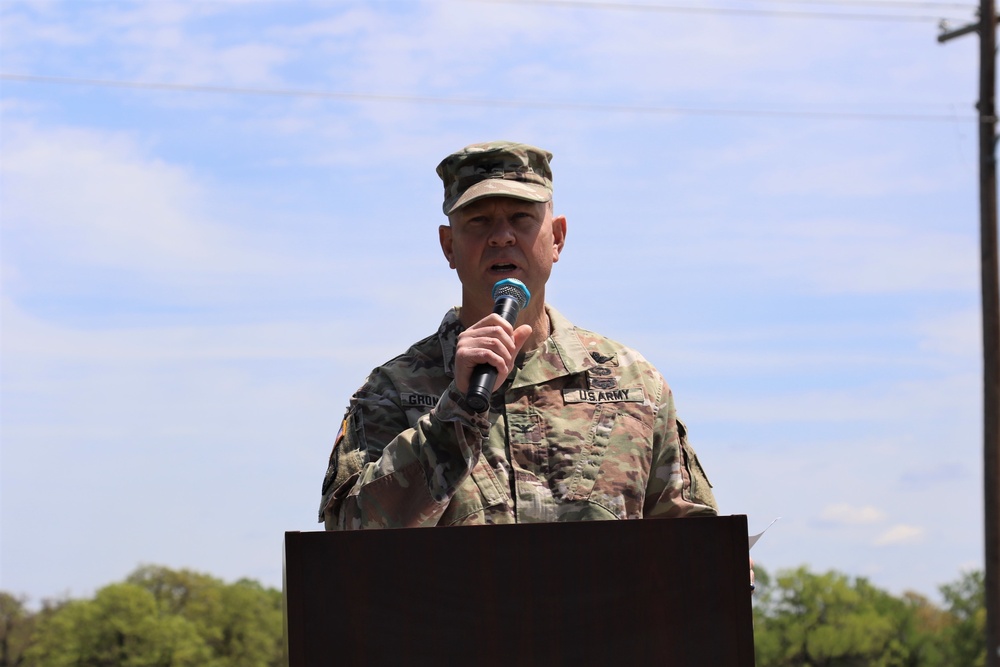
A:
x: 602, y: 384
x: 425, y: 401
x: 631, y: 395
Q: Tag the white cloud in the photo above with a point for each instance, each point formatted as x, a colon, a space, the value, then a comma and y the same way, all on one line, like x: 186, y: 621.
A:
x: 846, y: 514
x: 92, y: 198
x: 957, y: 334
x: 33, y: 343
x: 832, y: 256
x: 27, y: 25
x: 867, y: 173
x: 182, y: 62
x: 156, y: 42
x: 946, y: 399
x: 901, y: 534
x: 861, y: 347
x: 851, y: 257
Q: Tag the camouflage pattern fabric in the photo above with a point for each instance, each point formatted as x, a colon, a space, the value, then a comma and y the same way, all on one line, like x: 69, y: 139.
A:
x: 583, y: 429
x: 495, y: 168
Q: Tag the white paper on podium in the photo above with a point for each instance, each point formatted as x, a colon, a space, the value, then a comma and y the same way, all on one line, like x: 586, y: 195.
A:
x: 753, y: 538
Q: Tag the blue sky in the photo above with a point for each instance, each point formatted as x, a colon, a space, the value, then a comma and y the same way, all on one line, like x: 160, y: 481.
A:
x: 199, y: 267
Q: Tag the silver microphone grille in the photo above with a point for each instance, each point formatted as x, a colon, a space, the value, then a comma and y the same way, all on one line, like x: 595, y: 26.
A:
x: 513, y: 288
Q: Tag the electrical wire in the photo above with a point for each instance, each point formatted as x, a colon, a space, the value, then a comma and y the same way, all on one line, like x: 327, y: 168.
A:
x: 745, y: 11
x: 492, y: 103
x: 879, y: 3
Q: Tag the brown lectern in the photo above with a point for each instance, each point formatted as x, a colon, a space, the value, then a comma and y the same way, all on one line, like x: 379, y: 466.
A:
x: 671, y: 592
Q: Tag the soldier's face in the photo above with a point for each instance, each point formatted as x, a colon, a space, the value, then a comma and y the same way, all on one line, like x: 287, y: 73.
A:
x: 501, y: 237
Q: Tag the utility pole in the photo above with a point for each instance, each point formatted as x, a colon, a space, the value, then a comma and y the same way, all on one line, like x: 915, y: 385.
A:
x: 986, y: 27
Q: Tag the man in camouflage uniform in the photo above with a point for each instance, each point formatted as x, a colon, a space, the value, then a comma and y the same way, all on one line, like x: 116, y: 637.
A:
x: 580, y: 427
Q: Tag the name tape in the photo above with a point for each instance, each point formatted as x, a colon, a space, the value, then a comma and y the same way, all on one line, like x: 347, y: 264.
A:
x: 418, y: 400
x: 632, y: 395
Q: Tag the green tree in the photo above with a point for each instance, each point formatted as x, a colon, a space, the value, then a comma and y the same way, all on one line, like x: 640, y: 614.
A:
x: 240, y: 622
x: 196, y: 597
x: 829, y: 620
x: 158, y: 617
x: 121, y: 627
x: 927, y: 623
x: 16, y: 627
x: 805, y: 619
x: 252, y: 626
x: 966, y: 634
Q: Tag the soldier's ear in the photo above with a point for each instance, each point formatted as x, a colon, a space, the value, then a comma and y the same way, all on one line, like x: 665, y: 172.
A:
x: 558, y: 236
x: 444, y: 236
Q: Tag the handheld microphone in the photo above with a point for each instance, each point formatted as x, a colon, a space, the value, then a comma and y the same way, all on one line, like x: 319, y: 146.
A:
x: 509, y: 297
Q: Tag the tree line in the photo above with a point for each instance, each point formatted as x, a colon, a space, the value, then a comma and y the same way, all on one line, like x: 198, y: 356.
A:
x: 802, y: 619
x: 159, y: 617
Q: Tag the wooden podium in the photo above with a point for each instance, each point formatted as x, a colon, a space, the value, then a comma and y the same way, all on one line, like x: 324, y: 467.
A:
x: 671, y: 592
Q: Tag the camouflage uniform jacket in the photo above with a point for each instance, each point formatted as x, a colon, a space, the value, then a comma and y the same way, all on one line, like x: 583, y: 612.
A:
x: 584, y: 428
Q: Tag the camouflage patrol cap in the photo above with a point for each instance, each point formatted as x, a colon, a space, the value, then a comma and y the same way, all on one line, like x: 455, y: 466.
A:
x: 495, y: 168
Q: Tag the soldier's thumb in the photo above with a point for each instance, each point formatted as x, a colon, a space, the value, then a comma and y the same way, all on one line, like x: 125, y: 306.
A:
x: 521, y: 335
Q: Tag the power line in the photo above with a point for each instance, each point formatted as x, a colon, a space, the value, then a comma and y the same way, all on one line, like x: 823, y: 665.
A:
x: 493, y: 103
x: 741, y: 11
x: 749, y: 11
x: 880, y: 3
x: 912, y: 4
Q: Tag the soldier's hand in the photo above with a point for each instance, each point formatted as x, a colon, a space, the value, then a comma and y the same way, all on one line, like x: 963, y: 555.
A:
x: 491, y: 340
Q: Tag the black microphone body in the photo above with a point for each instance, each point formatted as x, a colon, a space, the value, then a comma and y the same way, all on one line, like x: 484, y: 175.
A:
x: 509, y: 297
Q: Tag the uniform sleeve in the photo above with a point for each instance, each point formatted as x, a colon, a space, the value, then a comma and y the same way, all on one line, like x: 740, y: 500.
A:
x: 678, y: 485
x: 409, y: 480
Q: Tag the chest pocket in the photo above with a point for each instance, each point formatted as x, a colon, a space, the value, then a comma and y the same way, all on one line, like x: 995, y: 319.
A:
x: 609, y: 464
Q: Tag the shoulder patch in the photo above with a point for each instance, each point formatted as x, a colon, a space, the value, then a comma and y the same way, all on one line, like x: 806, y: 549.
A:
x: 336, y: 441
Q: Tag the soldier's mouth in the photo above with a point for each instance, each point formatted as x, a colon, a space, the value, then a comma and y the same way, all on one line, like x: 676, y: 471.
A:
x: 503, y: 268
